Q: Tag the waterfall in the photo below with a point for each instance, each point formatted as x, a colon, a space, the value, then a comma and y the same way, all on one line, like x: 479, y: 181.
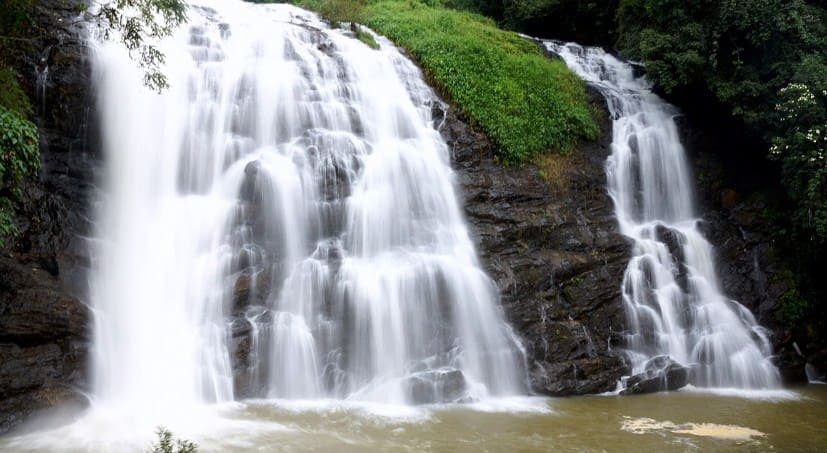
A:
x: 282, y: 222
x: 671, y: 292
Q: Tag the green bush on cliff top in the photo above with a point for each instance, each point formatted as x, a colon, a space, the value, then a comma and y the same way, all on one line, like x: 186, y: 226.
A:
x: 526, y: 102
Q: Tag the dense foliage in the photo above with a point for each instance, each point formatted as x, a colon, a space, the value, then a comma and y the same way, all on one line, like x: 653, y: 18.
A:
x: 19, y: 158
x: 800, y: 144
x: 765, y: 61
x: 525, y: 102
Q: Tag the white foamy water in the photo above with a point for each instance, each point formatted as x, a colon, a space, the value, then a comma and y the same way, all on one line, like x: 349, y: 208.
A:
x: 671, y: 292
x: 282, y: 223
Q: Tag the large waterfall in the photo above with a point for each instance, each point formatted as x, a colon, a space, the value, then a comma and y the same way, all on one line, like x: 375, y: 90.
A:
x: 671, y: 293
x: 282, y: 222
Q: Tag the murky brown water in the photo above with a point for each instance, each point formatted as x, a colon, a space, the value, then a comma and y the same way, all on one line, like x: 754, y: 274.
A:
x: 679, y: 421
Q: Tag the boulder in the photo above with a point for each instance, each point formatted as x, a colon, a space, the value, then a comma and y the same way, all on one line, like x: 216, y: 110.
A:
x: 660, y: 374
x: 43, y: 342
x: 445, y: 385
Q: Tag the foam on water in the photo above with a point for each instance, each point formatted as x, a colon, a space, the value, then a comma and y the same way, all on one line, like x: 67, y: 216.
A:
x: 755, y: 394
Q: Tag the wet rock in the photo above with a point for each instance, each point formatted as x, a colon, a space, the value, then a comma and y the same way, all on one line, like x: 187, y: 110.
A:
x: 436, y: 386
x: 43, y: 344
x: 246, y: 330
x: 241, y: 291
x: 579, y: 376
x: 675, y: 241
x: 660, y: 373
x: 547, y: 235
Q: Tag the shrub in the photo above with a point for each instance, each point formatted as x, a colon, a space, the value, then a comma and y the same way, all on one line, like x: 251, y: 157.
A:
x: 19, y: 158
x: 168, y: 444
x: 800, y: 144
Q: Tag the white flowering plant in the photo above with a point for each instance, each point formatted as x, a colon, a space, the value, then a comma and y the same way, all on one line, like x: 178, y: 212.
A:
x: 800, y: 144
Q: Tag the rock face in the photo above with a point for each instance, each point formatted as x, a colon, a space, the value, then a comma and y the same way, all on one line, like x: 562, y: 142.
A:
x: 43, y: 324
x: 42, y: 342
x: 660, y: 373
x: 548, y: 236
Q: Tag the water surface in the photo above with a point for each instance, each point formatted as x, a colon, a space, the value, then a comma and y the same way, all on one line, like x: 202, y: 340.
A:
x: 678, y: 421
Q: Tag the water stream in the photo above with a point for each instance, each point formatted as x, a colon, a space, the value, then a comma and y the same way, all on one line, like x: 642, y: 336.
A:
x: 673, y: 300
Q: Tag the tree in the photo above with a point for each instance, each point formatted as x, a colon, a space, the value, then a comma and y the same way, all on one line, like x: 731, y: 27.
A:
x: 138, y: 24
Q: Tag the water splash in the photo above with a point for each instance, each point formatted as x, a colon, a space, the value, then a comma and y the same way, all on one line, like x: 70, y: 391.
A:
x: 673, y: 301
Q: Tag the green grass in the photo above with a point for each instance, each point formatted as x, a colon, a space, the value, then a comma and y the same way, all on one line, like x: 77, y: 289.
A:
x: 365, y: 37
x: 526, y: 103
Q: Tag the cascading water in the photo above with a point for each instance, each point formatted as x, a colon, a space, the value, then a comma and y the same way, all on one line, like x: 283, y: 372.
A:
x: 282, y: 222
x: 670, y: 289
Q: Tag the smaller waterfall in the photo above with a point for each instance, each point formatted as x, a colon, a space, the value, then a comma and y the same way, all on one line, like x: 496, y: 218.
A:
x: 671, y: 294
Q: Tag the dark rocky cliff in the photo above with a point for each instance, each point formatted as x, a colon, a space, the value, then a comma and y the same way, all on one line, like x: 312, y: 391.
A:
x: 43, y: 323
x: 549, y: 238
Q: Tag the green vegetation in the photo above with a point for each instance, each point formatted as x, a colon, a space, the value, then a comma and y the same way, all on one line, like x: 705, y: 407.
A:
x: 12, y: 96
x: 800, y: 145
x: 168, y: 444
x: 19, y: 158
x: 527, y: 103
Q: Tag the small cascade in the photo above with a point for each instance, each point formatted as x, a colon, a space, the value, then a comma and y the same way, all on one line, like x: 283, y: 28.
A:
x: 42, y: 80
x: 675, y: 308
x: 282, y: 222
